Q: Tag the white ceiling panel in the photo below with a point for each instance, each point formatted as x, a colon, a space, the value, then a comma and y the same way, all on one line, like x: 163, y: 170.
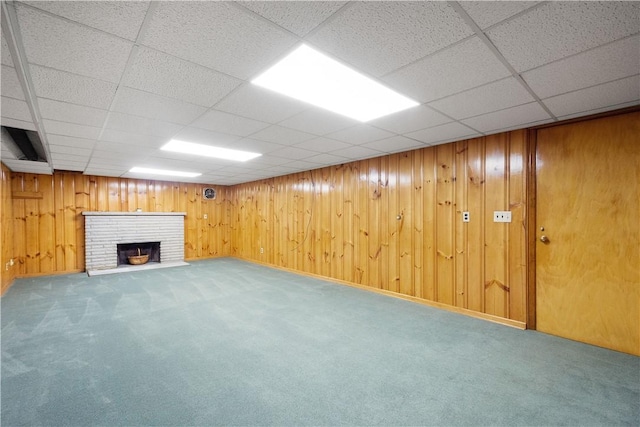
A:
x: 143, y: 125
x: 357, y: 152
x: 484, y: 99
x: 425, y: 81
x: 394, y: 144
x: 446, y: 132
x: 326, y: 159
x: 256, y: 146
x: 15, y: 109
x: 72, y: 88
x: 152, y: 106
x: 410, y: 120
x: 559, y: 29
x: 521, y: 116
x: 488, y: 13
x: 11, y: 87
x: 71, y: 113
x: 323, y: 145
x: 282, y: 135
x: 27, y: 166
x: 228, y: 123
x: 4, y: 52
x: 260, y: 104
x: 360, y: 134
x: 378, y: 37
x: 163, y: 74
x: 299, y: 17
x: 66, y: 149
x: 70, y: 129
x: 318, y: 121
x: 121, y: 18
x: 220, y: 36
x: 292, y: 153
x: 69, y: 166
x: 118, y: 153
x: 618, y: 92
x: 78, y: 159
x: 19, y: 124
x: 67, y: 46
x: 134, y: 140
x: 203, y: 136
x: 600, y: 65
x: 70, y: 141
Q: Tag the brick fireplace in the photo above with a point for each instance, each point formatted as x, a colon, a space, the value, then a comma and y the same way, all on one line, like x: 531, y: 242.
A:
x: 106, y: 231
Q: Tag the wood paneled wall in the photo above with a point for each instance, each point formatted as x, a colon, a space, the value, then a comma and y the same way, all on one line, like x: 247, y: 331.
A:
x: 394, y: 223
x: 7, y: 272
x: 48, y: 225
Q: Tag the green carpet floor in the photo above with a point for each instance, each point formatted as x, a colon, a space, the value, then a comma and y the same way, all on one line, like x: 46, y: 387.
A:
x: 225, y: 342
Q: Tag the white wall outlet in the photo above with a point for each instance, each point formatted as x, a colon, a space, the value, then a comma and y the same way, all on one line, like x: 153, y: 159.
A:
x: 501, y: 216
x: 465, y: 216
x: 205, y: 216
x: 261, y: 250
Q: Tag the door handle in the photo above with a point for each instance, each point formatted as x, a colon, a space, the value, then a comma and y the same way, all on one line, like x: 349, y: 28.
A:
x: 544, y: 239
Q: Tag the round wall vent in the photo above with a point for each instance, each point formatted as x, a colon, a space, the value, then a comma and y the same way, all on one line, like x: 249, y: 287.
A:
x: 209, y: 193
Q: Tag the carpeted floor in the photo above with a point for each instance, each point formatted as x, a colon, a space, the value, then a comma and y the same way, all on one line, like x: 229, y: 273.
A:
x: 225, y: 342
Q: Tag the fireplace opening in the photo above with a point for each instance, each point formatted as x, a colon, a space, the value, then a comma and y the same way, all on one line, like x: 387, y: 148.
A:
x: 125, y: 250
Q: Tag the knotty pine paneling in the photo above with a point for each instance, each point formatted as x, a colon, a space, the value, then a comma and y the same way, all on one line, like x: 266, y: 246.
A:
x: 48, y: 232
x: 7, y: 272
x: 394, y: 223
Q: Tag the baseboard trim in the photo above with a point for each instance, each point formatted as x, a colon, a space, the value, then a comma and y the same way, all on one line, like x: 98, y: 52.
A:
x: 475, y: 314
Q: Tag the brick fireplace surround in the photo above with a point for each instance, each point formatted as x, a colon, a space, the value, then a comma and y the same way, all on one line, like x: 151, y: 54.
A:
x: 105, y: 230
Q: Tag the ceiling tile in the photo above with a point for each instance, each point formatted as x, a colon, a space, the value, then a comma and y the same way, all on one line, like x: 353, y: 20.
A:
x: 600, y: 65
x: 203, y: 136
x: 425, y: 80
x: 292, y: 153
x: 15, y: 109
x: 143, y: 125
x: 62, y: 86
x: 600, y: 110
x: 70, y: 141
x: 11, y: 86
x: 256, y: 146
x: 27, y: 166
x: 378, y: 37
x: 69, y: 166
x: 120, y: 153
x: 488, y: 13
x: 282, y: 135
x: 395, y: 144
x: 322, y: 145
x: 326, y: 159
x: 19, y: 124
x: 57, y: 157
x: 260, y: 104
x: 559, y: 29
x: 221, y: 36
x: 70, y: 129
x: 163, y: 74
x: 357, y: 152
x: 412, y: 119
x: 318, y: 122
x: 133, y: 139
x: 228, y: 123
x: 447, y: 132
x: 138, y: 103
x: 608, y: 94
x: 6, y: 55
x: 66, y: 149
x: 299, y: 17
x: 360, y: 134
x: 71, y: 113
x: 67, y: 46
x: 484, y: 99
x: 521, y: 115
x: 121, y: 18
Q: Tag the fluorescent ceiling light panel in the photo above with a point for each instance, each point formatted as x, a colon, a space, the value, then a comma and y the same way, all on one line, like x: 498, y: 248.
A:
x: 164, y: 172
x: 208, y: 151
x: 308, y: 75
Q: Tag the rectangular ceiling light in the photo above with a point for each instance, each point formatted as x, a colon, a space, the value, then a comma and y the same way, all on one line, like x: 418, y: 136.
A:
x: 310, y: 76
x: 151, y: 171
x: 208, y: 151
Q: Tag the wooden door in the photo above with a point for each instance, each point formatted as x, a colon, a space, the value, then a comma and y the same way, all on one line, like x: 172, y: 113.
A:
x: 588, y: 191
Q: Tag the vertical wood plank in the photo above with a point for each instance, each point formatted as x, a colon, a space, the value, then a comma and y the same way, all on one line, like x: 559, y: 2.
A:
x: 444, y: 231
x: 475, y: 184
x: 429, y: 223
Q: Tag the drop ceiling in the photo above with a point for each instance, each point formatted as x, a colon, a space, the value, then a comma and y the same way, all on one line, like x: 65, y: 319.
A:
x: 107, y: 83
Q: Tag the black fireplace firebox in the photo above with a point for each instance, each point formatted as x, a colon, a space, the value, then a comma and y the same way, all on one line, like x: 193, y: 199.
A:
x: 125, y: 250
